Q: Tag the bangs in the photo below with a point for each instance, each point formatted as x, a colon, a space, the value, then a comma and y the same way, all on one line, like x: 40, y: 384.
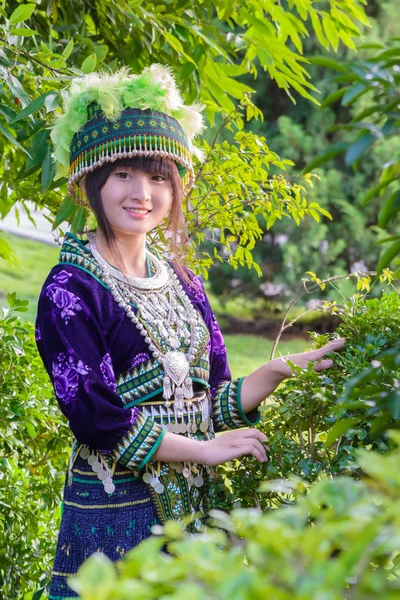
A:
x: 148, y: 164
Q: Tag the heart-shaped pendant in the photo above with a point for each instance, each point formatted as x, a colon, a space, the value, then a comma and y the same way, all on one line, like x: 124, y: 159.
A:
x: 176, y: 366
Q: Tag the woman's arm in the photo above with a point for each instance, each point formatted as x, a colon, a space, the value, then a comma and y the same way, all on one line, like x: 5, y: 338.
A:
x: 264, y: 380
x: 229, y: 445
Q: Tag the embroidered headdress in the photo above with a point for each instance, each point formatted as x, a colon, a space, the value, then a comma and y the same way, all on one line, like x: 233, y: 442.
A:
x: 123, y: 115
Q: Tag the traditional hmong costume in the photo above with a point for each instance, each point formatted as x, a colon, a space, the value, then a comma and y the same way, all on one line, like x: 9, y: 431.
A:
x: 128, y: 363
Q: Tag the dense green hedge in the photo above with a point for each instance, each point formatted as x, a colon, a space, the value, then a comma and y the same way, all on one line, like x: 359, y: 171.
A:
x: 315, y: 422
x: 341, y: 540
x: 34, y: 450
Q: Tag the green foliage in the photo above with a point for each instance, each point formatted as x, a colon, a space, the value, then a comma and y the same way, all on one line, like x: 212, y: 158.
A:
x: 341, y: 540
x: 373, y: 123
x: 210, y: 45
x: 34, y: 443
x: 315, y: 422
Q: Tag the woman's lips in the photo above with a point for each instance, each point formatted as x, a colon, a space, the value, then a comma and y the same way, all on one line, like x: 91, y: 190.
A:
x: 138, y: 213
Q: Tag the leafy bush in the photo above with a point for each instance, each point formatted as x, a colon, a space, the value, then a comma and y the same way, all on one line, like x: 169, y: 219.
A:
x: 316, y: 421
x: 341, y: 540
x: 34, y: 442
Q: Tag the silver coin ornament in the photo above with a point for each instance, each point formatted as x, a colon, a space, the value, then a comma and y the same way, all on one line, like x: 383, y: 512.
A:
x: 96, y: 466
x: 92, y: 459
x: 159, y: 488
x: 85, y: 452
x: 147, y: 478
x: 109, y: 488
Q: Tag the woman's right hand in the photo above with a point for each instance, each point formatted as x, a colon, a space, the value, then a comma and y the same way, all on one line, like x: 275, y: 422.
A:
x: 234, y: 444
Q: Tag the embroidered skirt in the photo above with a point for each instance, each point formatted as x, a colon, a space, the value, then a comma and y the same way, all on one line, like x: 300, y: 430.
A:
x: 94, y: 520
x: 111, y: 509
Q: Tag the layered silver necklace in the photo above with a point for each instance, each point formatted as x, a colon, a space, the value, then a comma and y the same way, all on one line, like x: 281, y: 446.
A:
x: 171, y: 322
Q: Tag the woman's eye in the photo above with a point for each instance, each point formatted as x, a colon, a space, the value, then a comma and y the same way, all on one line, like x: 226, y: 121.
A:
x: 122, y: 174
x: 158, y: 178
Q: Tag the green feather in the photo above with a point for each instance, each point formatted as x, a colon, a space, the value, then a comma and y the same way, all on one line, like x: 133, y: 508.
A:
x: 154, y: 89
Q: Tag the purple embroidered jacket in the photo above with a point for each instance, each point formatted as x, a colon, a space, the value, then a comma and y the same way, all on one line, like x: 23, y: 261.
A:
x: 101, y: 367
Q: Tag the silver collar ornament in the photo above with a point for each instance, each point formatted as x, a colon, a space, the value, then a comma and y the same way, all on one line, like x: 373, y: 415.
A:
x: 169, y: 316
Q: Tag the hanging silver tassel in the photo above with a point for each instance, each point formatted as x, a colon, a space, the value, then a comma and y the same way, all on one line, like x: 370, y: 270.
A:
x: 167, y: 388
x: 188, y: 388
x: 179, y: 403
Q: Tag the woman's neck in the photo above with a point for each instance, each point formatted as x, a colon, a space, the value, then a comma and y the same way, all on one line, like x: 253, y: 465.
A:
x: 130, y: 254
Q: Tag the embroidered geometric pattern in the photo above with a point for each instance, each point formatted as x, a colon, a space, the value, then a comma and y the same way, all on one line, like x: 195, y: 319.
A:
x: 73, y: 252
x: 227, y: 410
x: 178, y: 501
x: 146, y: 380
x: 138, y: 445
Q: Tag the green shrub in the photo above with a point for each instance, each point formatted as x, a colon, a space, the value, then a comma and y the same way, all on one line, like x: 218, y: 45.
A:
x: 316, y: 421
x: 34, y: 443
x: 342, y: 540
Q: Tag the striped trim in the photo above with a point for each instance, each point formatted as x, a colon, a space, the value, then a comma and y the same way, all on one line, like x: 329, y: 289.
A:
x: 137, y: 445
x: 227, y: 407
x: 95, y: 506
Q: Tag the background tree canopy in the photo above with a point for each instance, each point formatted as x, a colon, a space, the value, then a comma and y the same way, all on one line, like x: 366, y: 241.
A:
x: 213, y: 48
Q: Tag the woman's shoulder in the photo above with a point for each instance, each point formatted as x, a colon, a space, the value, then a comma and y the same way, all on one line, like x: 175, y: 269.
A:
x: 76, y: 272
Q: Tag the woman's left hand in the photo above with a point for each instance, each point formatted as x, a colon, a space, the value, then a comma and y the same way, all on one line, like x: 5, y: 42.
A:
x: 304, y: 358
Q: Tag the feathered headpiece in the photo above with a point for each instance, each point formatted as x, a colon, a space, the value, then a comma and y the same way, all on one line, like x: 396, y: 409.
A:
x: 107, y: 117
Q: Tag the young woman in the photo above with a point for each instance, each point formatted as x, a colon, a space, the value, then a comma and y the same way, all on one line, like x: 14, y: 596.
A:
x: 128, y: 338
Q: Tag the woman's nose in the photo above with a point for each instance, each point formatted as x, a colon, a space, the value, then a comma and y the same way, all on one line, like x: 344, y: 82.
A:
x: 139, y: 189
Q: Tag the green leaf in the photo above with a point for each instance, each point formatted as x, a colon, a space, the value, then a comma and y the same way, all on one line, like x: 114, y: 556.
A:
x: 64, y: 211
x: 332, y: 152
x: 339, y: 429
x: 23, y: 31
x: 78, y: 222
x: 329, y: 63
x: 52, y: 101
x: 89, y: 64
x: 358, y: 147
x: 354, y: 92
x: 22, y: 13
x: 37, y: 151
x: 334, y: 97
x: 378, y: 188
x: 101, y: 52
x: 389, y: 209
x: 330, y: 32
x: 12, y: 139
x: 34, y: 106
x: 388, y: 256
x: 48, y: 170
x: 68, y: 49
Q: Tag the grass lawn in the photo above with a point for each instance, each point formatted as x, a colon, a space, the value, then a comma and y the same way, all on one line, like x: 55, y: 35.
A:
x: 248, y: 352
x: 245, y: 352
x: 26, y: 280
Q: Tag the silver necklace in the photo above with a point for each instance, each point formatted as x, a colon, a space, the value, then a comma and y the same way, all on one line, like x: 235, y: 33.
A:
x: 169, y: 316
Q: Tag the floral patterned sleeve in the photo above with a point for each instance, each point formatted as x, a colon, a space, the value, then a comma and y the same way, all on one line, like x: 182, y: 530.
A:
x: 225, y: 391
x: 73, y: 346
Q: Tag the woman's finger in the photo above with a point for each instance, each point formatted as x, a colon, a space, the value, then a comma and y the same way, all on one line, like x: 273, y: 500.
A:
x: 322, y: 365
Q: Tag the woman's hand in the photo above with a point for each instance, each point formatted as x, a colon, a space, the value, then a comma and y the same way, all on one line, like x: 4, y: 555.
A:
x: 304, y: 358
x: 263, y: 381
x: 234, y: 444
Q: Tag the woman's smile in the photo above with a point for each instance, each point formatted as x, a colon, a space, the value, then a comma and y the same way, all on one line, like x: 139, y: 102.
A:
x: 137, y: 213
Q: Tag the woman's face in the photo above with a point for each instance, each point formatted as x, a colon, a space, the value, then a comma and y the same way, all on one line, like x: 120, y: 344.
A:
x: 135, y: 202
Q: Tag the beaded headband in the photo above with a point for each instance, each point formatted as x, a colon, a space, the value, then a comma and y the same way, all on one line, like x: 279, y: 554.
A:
x: 108, y: 117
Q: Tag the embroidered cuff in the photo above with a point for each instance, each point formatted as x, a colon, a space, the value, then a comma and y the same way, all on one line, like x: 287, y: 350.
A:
x: 139, y: 443
x: 227, y: 407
